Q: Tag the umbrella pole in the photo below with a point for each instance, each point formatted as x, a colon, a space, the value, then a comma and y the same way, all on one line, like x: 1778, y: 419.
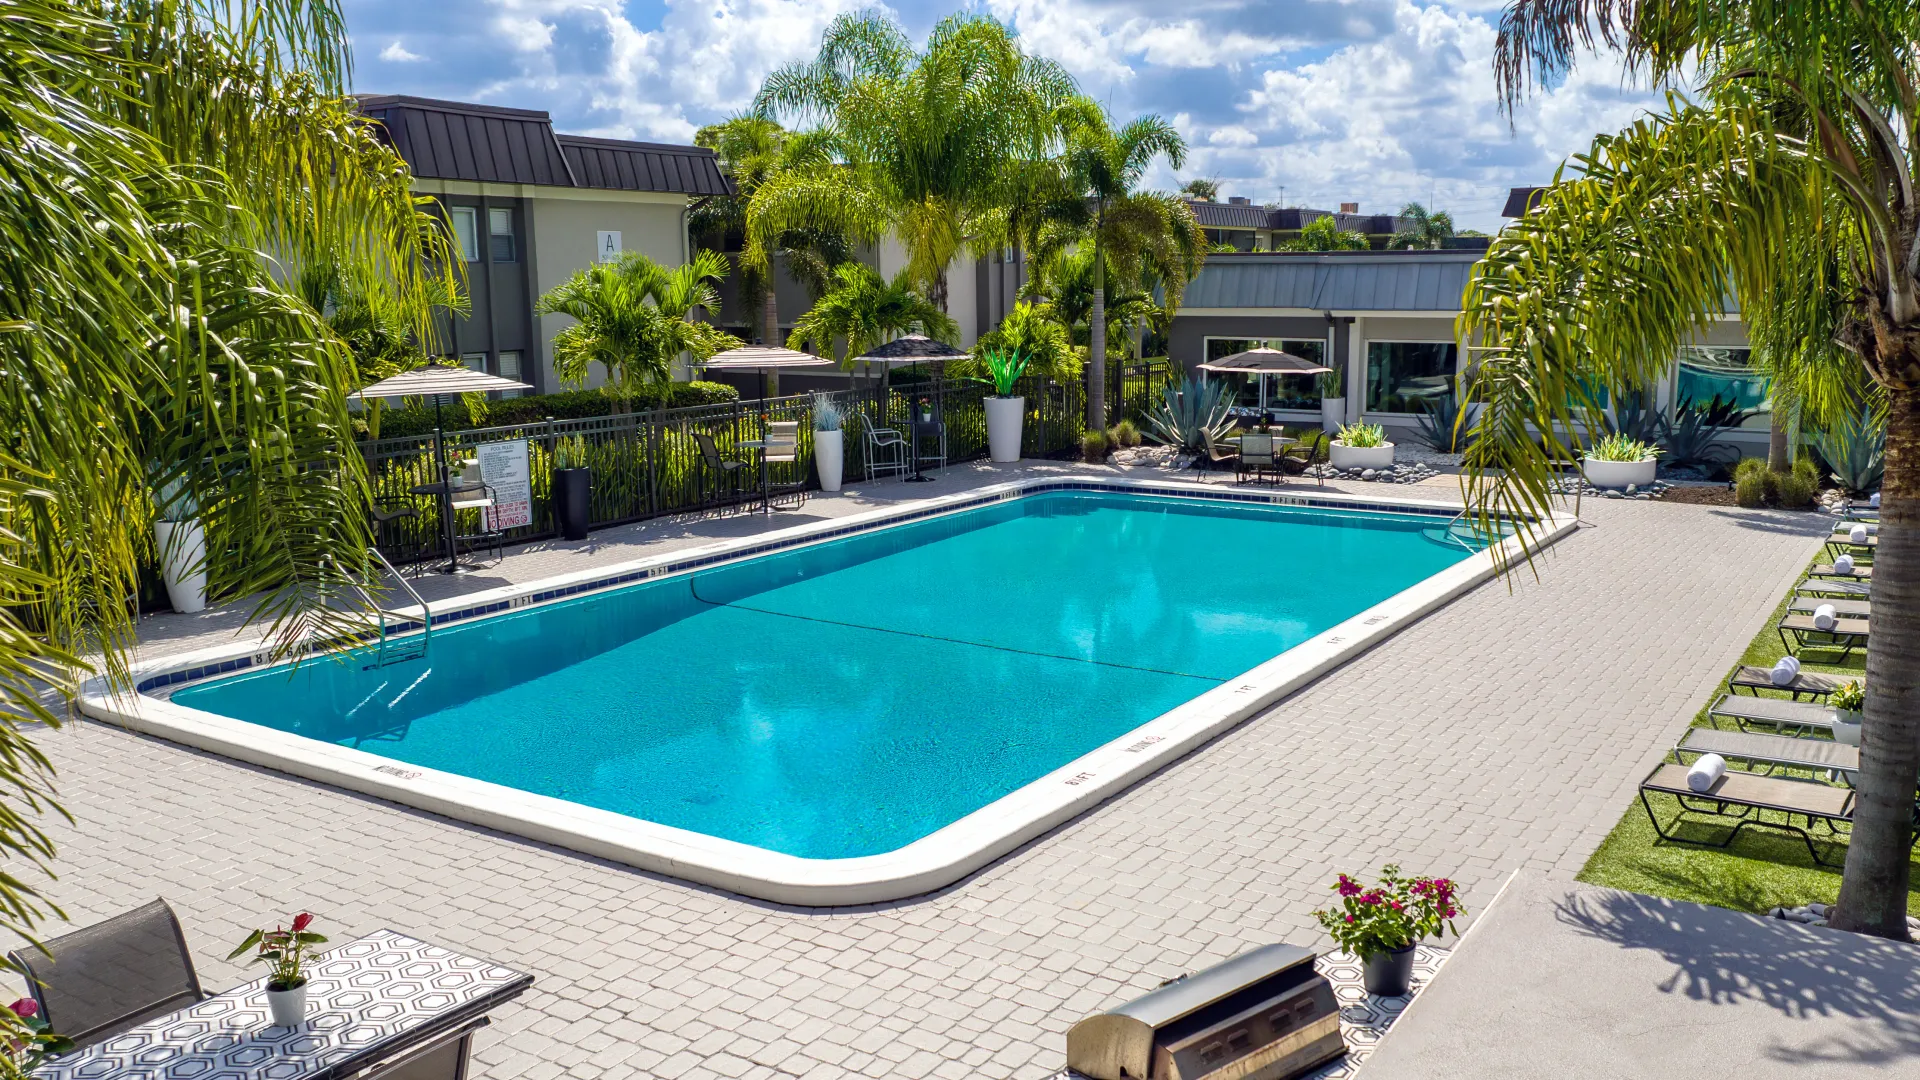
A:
x: 446, y: 489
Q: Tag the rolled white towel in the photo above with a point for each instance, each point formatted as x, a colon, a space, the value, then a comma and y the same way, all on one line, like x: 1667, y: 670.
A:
x: 1824, y: 617
x: 1843, y: 565
x: 1784, y: 670
x: 1857, y: 534
x: 1706, y: 772
x: 1873, y: 500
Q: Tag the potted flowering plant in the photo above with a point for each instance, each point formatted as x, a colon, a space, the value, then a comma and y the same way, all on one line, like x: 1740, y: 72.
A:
x: 1381, y: 925
x: 1848, y: 703
x: 29, y: 1041
x: 284, y: 951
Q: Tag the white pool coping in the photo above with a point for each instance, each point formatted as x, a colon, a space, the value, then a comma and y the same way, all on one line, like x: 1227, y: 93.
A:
x: 938, y: 859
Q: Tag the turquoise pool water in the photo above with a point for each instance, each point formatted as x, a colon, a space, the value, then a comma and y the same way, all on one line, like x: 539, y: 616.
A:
x: 849, y: 698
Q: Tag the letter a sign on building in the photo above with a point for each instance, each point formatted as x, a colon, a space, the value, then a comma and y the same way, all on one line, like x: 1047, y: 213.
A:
x: 609, y: 246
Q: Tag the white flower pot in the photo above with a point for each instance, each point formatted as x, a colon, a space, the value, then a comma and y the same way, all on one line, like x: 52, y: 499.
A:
x: 1846, y: 726
x: 1333, y: 413
x: 830, y: 457
x: 1005, y: 417
x: 289, y: 1007
x: 1342, y: 456
x: 183, y: 552
x: 1618, y: 474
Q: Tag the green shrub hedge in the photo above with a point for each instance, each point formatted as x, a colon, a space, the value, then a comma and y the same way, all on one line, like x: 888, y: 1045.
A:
x: 566, y: 405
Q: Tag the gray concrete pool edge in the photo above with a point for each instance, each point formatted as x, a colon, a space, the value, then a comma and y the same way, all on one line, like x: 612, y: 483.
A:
x: 947, y: 855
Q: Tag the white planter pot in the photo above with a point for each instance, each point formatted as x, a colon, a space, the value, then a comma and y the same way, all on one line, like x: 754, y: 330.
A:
x: 830, y: 457
x: 289, y: 1007
x: 1005, y: 417
x: 1618, y: 474
x: 183, y: 552
x: 1333, y: 413
x: 1343, y: 456
x: 1846, y: 726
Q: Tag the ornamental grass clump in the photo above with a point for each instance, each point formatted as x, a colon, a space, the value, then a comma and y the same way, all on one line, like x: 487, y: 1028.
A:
x: 1621, y: 447
x: 1362, y: 435
x: 1393, y: 915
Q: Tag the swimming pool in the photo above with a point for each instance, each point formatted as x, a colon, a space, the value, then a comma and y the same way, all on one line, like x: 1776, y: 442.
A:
x: 855, y: 697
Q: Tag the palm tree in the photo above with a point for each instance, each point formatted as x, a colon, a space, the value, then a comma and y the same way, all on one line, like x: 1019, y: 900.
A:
x: 1324, y: 234
x: 864, y: 311
x: 1790, y: 184
x: 153, y: 151
x: 1203, y: 188
x: 753, y: 150
x: 1422, y: 228
x: 1126, y: 227
x: 634, y: 317
x: 922, y: 137
x: 1033, y: 331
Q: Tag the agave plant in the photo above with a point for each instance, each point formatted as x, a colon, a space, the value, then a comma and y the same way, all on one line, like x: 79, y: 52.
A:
x: 1690, y: 438
x: 1439, y: 425
x: 1855, y: 452
x: 1190, y: 413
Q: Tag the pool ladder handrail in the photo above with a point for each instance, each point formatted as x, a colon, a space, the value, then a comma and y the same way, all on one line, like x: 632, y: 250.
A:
x: 380, y: 655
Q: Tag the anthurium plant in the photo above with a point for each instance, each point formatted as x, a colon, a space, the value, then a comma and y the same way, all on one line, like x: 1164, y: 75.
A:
x: 283, y: 950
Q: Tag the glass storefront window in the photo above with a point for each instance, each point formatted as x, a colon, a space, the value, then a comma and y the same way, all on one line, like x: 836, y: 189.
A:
x: 1708, y: 371
x: 1403, y: 375
x: 1298, y: 392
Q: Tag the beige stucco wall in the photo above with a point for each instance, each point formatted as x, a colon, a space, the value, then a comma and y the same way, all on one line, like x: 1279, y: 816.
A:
x: 565, y: 229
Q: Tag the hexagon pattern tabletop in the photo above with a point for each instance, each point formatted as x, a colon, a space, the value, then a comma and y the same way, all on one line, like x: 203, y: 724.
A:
x: 366, y: 999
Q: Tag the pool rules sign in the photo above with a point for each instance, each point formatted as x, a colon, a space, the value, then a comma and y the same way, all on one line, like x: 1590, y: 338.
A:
x: 503, y: 465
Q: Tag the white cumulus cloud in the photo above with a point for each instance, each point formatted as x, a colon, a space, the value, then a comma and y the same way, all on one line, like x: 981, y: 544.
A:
x: 396, y: 53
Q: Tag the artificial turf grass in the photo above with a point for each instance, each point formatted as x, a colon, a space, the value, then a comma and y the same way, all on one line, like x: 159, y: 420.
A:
x: 1763, y: 867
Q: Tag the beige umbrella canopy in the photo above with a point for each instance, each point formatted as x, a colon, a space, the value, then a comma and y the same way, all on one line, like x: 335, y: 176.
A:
x: 436, y: 380
x: 763, y: 358
x: 1265, y: 361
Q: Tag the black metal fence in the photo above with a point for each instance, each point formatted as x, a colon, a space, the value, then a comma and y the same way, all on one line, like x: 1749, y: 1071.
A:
x: 647, y: 464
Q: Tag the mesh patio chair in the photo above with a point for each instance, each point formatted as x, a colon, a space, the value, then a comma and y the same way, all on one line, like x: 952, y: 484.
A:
x: 1313, y: 449
x: 1217, y: 455
x: 723, y: 472
x: 395, y: 520
x: 1257, y: 458
x: 783, y: 448
x: 94, y: 983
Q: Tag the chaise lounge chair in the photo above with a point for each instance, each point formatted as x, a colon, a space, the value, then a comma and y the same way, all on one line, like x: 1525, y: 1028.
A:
x: 1811, y: 683
x: 1770, y: 750
x: 1798, y: 717
x: 1798, y: 633
x: 1845, y: 608
x: 1840, y: 544
x: 1826, y: 570
x: 1835, y: 587
x: 1746, y: 798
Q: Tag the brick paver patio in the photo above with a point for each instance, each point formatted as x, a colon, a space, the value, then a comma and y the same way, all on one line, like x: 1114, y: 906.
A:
x: 1503, y: 732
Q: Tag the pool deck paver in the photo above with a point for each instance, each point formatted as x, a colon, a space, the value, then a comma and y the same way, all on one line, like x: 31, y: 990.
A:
x: 1503, y: 732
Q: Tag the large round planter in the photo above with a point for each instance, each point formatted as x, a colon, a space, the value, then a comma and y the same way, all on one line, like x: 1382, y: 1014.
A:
x: 830, y: 457
x: 289, y: 1007
x: 1846, y: 726
x: 1389, y: 974
x: 1618, y: 474
x: 183, y: 553
x: 573, y: 501
x: 1005, y: 417
x: 1342, y: 456
x: 1333, y: 413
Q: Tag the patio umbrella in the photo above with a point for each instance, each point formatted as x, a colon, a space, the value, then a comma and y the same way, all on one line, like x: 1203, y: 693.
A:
x: 763, y: 358
x: 1263, y: 362
x: 912, y: 349
x: 438, y: 381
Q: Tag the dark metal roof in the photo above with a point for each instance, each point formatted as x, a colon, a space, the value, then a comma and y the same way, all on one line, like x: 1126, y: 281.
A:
x: 640, y: 166
x: 1520, y: 200
x: 1218, y: 215
x: 453, y: 140
x: 1334, y: 281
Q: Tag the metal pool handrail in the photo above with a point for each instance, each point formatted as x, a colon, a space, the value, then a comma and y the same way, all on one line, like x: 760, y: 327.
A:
x: 426, y: 613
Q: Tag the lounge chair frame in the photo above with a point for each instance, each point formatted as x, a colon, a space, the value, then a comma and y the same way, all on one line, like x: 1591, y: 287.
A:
x: 1746, y: 811
x: 1810, y: 683
x: 1798, y: 634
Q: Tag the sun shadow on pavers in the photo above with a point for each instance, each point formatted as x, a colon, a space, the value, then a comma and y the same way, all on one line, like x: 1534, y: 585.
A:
x: 1558, y: 979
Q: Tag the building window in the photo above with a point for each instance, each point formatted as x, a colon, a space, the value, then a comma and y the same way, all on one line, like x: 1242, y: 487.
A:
x: 1706, y: 372
x: 477, y: 361
x: 464, y: 232
x: 510, y: 369
x: 1299, y: 392
x: 500, y: 234
x: 1402, y: 376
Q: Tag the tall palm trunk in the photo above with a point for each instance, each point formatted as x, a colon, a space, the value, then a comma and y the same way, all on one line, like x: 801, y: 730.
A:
x: 1873, y: 891
x: 1097, y: 342
x: 770, y: 319
x: 1777, y: 454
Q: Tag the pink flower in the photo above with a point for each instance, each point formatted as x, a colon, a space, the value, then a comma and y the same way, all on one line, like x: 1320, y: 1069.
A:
x: 1349, y: 918
x: 302, y: 921
x: 1348, y: 886
x: 26, y: 1006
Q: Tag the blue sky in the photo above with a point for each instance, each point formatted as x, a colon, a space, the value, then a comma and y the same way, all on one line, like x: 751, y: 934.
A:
x: 1292, y: 102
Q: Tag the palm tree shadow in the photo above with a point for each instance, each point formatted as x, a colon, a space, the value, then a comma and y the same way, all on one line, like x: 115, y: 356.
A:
x: 1802, y: 973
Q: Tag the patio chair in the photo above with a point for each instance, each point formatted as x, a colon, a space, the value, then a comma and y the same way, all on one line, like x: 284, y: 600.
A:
x: 723, y: 472
x: 1811, y: 683
x: 1826, y: 570
x: 783, y: 448
x: 1798, y: 633
x: 886, y: 449
x: 94, y: 983
x: 1797, y: 717
x: 1772, y: 751
x: 389, y: 516
x: 1313, y: 449
x: 1854, y: 608
x: 1745, y: 798
x: 1256, y: 458
x: 1217, y: 454
x: 1839, y: 544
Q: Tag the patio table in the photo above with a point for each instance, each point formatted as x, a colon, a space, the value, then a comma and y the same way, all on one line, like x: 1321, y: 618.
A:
x: 378, y: 1003
x: 766, y: 501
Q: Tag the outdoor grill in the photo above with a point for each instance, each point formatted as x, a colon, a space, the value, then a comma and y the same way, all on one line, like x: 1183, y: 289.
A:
x: 1263, y: 1015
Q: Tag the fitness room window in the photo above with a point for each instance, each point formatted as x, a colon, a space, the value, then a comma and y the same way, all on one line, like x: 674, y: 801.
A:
x: 500, y: 233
